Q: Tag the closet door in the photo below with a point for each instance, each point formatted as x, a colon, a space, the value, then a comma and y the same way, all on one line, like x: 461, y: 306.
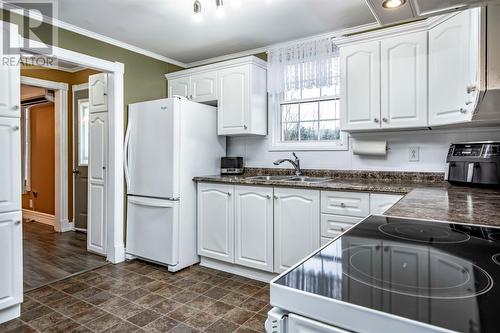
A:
x: 11, y: 259
x: 10, y: 164
x: 98, y: 92
x: 98, y: 143
x: 10, y: 84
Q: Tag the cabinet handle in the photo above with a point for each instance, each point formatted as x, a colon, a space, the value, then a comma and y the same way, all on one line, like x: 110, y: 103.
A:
x: 245, y: 126
x: 15, y: 107
x: 376, y: 120
x: 342, y: 205
x: 462, y: 110
x: 385, y: 120
x: 228, y: 194
x: 17, y: 222
x: 268, y: 196
x: 15, y: 128
x: 342, y: 229
x: 276, y: 197
x: 468, y: 103
x: 471, y: 89
x: 104, y: 168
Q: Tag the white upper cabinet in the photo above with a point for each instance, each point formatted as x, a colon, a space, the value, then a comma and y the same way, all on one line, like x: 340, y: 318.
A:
x: 179, y: 87
x: 404, y: 81
x: 216, y: 221
x: 296, y: 226
x: 453, y: 69
x: 98, y: 92
x: 238, y: 87
x: 360, y: 86
x: 10, y: 165
x: 204, y: 87
x: 9, y: 76
x: 254, y: 227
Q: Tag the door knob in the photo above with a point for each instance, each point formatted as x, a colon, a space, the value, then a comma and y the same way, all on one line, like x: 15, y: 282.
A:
x: 15, y: 107
x: 17, y: 222
x: 76, y: 171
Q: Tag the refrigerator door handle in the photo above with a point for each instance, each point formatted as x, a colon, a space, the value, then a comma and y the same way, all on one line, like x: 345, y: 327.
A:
x: 151, y: 202
x: 125, y: 150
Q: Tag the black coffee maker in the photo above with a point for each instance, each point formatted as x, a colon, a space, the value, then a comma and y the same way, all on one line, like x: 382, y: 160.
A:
x: 474, y: 163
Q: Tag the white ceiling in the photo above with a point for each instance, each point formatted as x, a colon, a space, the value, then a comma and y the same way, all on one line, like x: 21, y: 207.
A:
x: 166, y: 27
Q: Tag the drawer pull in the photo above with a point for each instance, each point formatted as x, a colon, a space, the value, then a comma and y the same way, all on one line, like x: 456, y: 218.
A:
x: 268, y: 196
x: 342, y: 205
x: 342, y: 229
x: 228, y: 194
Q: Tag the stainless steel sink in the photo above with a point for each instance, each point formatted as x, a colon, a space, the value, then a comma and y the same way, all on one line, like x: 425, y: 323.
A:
x: 306, y: 179
x: 270, y: 178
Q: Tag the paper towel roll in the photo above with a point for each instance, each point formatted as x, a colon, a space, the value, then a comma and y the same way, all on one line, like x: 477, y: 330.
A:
x: 372, y: 148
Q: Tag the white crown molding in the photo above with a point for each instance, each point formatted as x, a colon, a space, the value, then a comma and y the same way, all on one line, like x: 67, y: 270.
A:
x: 97, y: 36
x: 30, y: 81
x: 79, y: 87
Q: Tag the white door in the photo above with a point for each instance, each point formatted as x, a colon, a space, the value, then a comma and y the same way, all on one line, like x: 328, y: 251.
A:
x: 153, y: 229
x: 179, y: 87
x: 254, y: 227
x: 452, y: 65
x: 296, y: 226
x: 11, y: 259
x: 151, y: 147
x: 298, y: 324
x: 204, y: 87
x: 98, y: 161
x: 10, y: 164
x: 404, y: 81
x: 360, y: 86
x: 9, y: 75
x: 98, y: 92
x: 380, y: 203
x: 234, y: 100
x: 216, y: 221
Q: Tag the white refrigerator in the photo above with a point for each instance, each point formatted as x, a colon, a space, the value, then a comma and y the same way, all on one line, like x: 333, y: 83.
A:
x: 167, y: 143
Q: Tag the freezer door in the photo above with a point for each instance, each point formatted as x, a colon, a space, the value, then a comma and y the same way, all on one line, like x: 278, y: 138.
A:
x: 152, y: 149
x: 298, y: 324
x: 153, y: 229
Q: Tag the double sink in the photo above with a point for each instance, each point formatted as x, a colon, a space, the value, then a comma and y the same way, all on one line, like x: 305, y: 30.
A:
x: 293, y: 179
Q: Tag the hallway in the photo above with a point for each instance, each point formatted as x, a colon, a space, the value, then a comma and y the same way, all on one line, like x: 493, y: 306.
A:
x: 50, y: 256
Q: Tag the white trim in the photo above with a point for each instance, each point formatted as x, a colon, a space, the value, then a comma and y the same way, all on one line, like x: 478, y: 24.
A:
x: 61, y: 148
x: 38, y: 217
x: 97, y: 36
x: 247, y: 272
x: 78, y: 87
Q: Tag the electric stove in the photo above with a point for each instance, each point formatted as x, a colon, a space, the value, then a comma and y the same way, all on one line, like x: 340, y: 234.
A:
x: 390, y: 274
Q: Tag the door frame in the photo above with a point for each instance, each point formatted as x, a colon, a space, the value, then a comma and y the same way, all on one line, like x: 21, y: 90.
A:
x: 75, y: 88
x: 115, y: 180
x: 61, y: 220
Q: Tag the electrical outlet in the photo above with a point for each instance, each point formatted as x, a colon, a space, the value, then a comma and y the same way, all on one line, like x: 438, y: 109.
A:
x: 31, y: 203
x: 414, y: 154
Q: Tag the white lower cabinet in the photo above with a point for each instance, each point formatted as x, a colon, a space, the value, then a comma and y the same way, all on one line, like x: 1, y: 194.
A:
x: 335, y: 225
x: 216, y: 221
x: 296, y: 226
x: 11, y: 260
x: 254, y: 234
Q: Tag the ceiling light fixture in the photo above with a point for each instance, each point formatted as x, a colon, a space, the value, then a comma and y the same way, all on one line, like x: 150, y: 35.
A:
x: 393, y: 3
x: 219, y: 3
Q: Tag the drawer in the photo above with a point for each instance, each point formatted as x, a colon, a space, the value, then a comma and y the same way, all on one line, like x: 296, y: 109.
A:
x: 345, y: 203
x: 325, y: 240
x: 334, y: 225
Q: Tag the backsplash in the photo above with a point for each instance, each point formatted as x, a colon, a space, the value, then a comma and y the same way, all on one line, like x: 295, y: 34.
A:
x: 433, y: 146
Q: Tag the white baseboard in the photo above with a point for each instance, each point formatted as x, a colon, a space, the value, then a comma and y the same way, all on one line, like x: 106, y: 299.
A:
x: 38, y: 217
x: 66, y: 225
x: 10, y: 313
x: 116, y: 254
x: 238, y: 270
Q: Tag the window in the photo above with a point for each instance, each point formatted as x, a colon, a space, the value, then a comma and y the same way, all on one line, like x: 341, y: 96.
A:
x: 83, y: 132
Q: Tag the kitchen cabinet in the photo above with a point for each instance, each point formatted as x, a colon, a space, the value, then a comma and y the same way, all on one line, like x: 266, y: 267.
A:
x: 360, y: 86
x: 296, y: 226
x: 98, y: 93
x: 345, y: 203
x: 254, y: 234
x: 453, y: 69
x: 216, y: 221
x: 380, y: 203
x: 11, y: 260
x: 333, y: 226
x: 179, y: 87
x: 404, y: 81
x: 238, y: 87
x: 97, y: 180
x: 10, y: 164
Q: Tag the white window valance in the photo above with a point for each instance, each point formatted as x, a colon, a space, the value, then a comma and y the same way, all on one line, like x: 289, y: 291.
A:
x: 304, y: 65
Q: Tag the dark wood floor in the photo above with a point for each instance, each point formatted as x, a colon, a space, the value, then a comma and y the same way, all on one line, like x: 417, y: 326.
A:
x: 50, y: 256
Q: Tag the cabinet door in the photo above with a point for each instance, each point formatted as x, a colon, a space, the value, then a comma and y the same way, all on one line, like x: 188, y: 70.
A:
x: 10, y: 164
x: 9, y: 75
x: 98, y: 157
x: 453, y: 67
x: 179, y: 87
x: 254, y: 227
x: 404, y: 81
x: 234, y: 100
x: 380, y: 203
x: 216, y: 221
x: 296, y: 226
x: 11, y: 259
x: 204, y: 87
x: 360, y: 86
x: 98, y: 93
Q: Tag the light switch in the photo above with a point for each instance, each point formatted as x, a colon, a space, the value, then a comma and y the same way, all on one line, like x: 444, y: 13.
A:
x: 414, y: 154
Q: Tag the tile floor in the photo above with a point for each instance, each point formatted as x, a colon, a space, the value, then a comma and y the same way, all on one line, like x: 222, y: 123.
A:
x: 138, y: 297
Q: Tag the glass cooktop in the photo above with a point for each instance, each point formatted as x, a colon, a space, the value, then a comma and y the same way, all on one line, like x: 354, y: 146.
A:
x: 437, y: 273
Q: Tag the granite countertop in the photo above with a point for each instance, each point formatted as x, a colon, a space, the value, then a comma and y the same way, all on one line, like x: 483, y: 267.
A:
x: 426, y: 196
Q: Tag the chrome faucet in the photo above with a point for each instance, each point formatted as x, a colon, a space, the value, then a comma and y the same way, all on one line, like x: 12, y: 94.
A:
x: 295, y: 164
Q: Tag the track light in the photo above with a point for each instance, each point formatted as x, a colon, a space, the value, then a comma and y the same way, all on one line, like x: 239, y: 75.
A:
x: 219, y: 3
x: 393, y: 3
